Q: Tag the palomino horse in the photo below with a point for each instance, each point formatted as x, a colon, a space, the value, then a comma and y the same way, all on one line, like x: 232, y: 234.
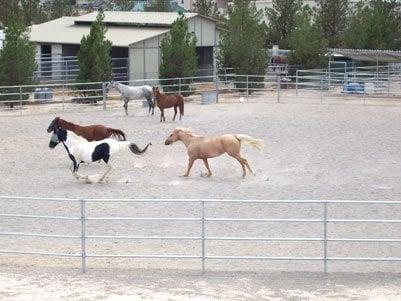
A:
x: 209, y: 147
x: 168, y: 101
x: 90, y: 132
x: 129, y: 92
x: 82, y: 151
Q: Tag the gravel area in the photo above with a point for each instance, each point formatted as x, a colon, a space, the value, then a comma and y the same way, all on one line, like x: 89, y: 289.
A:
x: 338, y: 151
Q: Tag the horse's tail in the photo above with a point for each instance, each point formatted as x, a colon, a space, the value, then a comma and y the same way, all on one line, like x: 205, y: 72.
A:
x: 136, y: 150
x: 181, y: 105
x: 256, y: 143
x: 116, y: 133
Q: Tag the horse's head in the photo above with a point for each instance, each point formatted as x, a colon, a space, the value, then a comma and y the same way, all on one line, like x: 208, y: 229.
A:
x: 110, y: 85
x: 59, y: 135
x: 175, y: 135
x: 53, y: 125
x: 156, y: 91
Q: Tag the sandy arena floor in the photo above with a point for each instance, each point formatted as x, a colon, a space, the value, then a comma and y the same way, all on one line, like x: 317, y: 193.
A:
x: 337, y: 151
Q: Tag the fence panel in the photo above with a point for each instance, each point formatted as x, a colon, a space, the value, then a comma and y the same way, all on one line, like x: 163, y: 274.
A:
x: 203, y: 220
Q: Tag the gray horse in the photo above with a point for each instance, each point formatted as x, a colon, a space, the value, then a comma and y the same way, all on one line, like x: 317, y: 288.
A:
x: 130, y: 92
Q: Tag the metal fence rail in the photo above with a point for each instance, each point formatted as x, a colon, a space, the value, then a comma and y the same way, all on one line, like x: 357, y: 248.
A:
x: 202, y: 220
x: 335, y: 83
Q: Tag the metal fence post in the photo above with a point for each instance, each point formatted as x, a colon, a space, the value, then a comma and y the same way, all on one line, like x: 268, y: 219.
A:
x: 62, y: 97
x: 83, y: 236
x: 203, y: 237
x: 278, y: 87
x: 364, y: 94
x: 296, y: 83
x: 104, y: 95
x: 325, y: 237
x: 247, y: 85
x: 216, y: 87
x: 179, y: 85
x: 321, y: 90
x: 20, y: 99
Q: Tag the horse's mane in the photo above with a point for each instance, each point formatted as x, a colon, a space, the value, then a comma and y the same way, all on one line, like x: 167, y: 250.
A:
x: 64, y: 121
x: 187, y: 131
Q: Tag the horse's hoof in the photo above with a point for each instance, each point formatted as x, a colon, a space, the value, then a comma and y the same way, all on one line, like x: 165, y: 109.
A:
x: 184, y: 176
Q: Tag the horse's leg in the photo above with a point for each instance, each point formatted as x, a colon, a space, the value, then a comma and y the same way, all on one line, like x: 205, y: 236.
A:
x: 151, y: 105
x: 126, y: 106
x: 190, y: 163
x: 207, y: 167
x: 175, y: 112
x: 241, y: 161
x: 108, y: 171
x: 248, y: 166
x: 162, y: 116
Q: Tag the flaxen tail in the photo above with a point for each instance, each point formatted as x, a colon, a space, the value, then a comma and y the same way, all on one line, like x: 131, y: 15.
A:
x: 117, y: 133
x: 136, y: 150
x: 256, y: 143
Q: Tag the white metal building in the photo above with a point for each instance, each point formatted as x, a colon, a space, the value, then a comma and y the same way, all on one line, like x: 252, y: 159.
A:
x: 134, y: 35
x: 2, y: 38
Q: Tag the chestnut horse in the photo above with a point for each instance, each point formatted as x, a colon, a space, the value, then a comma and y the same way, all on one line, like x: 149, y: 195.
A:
x: 209, y: 147
x: 168, y: 101
x: 90, y: 132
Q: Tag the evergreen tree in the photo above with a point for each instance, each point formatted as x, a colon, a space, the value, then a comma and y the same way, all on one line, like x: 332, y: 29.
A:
x: 282, y: 18
x: 33, y: 12
x: 159, y: 6
x: 94, y: 58
x: 332, y: 17
x: 242, y: 42
x: 123, y: 5
x: 179, y: 57
x: 10, y: 11
x: 308, y: 44
x: 206, y: 8
x: 375, y: 25
x: 17, y: 59
x: 60, y: 8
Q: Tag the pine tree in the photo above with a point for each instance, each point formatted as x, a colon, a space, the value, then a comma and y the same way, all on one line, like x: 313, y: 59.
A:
x: 60, y: 8
x: 332, y: 17
x: 307, y: 43
x: 123, y: 5
x: 10, y: 11
x: 94, y: 58
x: 375, y: 25
x: 159, y: 6
x: 179, y: 57
x: 206, y: 8
x: 242, y: 42
x: 17, y: 58
x: 33, y: 12
x: 282, y: 18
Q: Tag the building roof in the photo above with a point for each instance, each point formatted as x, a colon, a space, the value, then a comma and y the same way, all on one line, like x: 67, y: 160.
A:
x: 148, y: 19
x: 369, y: 55
x: 123, y: 28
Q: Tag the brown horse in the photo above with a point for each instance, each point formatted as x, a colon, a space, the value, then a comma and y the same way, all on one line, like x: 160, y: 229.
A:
x: 168, y: 101
x: 209, y: 147
x: 91, y: 132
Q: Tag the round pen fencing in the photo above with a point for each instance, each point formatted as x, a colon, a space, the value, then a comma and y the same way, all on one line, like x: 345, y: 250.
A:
x: 203, y: 220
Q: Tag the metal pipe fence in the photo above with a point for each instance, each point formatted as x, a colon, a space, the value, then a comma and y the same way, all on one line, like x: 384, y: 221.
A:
x: 203, y: 220
x: 360, y: 84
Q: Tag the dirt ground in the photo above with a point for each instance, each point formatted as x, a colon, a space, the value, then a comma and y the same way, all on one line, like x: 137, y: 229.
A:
x: 342, y: 150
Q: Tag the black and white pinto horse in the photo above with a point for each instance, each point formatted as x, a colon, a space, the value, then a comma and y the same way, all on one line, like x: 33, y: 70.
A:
x: 130, y: 92
x: 81, y: 151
